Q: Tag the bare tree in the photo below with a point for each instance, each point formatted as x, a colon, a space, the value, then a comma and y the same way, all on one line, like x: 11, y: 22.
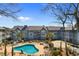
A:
x: 67, y: 9
x: 58, y: 11
x: 72, y: 25
x: 71, y: 22
x: 9, y: 10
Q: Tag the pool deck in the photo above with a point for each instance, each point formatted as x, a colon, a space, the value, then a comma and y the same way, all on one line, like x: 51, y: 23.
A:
x: 37, y: 45
x: 17, y: 53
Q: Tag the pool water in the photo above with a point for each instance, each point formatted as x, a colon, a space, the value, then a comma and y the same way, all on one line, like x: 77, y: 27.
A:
x: 27, y: 49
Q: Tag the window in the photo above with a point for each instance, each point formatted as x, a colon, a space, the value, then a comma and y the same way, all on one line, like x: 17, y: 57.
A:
x: 43, y: 32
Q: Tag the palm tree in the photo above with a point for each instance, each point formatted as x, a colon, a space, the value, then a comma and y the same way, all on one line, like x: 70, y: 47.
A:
x: 12, y: 52
x: 49, y: 37
x: 8, y: 12
x: 5, y: 44
x: 64, y: 13
x: 20, y: 35
x: 12, y: 48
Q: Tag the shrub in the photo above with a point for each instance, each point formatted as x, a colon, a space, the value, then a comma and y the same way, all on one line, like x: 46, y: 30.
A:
x: 28, y: 55
x: 56, y: 52
x: 56, y: 48
x: 46, y: 47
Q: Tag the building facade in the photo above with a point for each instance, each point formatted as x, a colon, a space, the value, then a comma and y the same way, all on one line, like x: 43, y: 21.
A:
x: 4, y: 33
x: 39, y: 32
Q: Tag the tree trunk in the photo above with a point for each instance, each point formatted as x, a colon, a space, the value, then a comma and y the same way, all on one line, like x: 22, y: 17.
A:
x: 77, y: 20
x: 65, y: 39
x: 61, y: 48
x: 5, y: 50
x: 12, y: 50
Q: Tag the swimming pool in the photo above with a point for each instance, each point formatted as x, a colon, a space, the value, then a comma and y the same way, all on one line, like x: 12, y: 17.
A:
x: 27, y: 49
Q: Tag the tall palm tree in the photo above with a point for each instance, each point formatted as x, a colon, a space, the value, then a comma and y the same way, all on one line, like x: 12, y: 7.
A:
x: 8, y: 12
x: 12, y: 50
x: 5, y: 43
x: 5, y: 50
x: 12, y: 42
x: 49, y: 37
x: 20, y: 35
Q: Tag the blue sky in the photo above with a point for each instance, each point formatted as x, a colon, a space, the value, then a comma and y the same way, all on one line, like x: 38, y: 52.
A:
x: 30, y: 14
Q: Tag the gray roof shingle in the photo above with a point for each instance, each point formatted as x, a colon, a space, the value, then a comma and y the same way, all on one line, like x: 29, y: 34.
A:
x: 40, y: 27
x: 35, y: 27
x: 17, y: 27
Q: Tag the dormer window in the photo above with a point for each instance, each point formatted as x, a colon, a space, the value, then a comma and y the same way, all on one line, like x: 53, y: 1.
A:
x: 43, y: 31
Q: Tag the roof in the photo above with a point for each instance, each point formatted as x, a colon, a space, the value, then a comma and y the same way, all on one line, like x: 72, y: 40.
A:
x: 40, y: 28
x: 1, y: 28
x: 34, y: 27
x: 17, y: 27
x: 53, y: 28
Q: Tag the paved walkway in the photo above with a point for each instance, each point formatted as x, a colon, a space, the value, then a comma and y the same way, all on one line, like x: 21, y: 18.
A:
x: 57, y: 44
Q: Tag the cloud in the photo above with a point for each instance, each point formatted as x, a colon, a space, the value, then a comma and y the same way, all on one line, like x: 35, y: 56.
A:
x: 0, y: 16
x: 23, y: 19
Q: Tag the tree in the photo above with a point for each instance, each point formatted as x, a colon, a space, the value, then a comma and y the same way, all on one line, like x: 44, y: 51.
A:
x: 71, y: 22
x: 5, y: 51
x: 4, y: 40
x: 12, y: 51
x: 67, y: 9
x: 9, y: 10
x: 58, y: 10
x: 49, y: 36
x: 20, y: 35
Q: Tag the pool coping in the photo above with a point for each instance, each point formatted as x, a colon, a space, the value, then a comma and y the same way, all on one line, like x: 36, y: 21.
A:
x: 37, y: 45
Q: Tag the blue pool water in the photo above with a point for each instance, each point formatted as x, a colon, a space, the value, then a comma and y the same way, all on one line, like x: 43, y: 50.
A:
x: 27, y: 49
